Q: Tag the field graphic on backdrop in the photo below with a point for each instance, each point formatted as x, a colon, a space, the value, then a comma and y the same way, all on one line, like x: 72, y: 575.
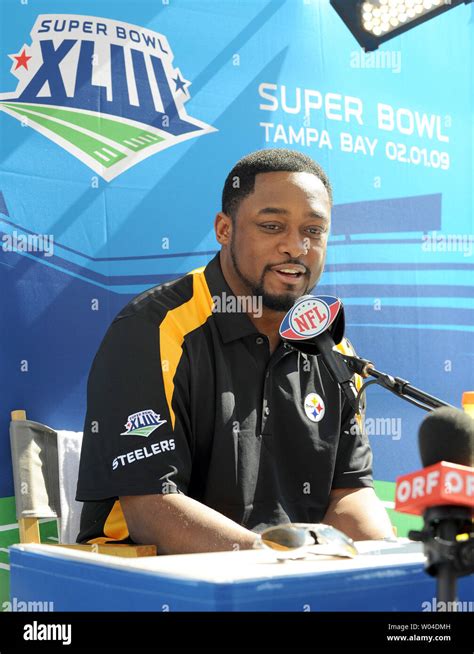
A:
x: 104, y: 90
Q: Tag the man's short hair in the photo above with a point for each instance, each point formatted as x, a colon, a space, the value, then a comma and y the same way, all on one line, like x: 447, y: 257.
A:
x: 240, y: 181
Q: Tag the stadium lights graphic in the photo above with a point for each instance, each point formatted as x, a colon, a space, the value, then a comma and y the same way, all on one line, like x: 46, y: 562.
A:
x: 375, y: 21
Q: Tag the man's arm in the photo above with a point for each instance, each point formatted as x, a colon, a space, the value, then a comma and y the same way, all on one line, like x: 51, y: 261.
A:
x: 358, y: 513
x: 178, y: 524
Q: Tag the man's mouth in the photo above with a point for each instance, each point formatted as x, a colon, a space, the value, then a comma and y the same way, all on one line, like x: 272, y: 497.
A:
x: 289, y: 272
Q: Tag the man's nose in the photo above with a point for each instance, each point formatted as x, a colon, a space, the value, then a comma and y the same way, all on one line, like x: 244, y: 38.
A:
x: 293, y: 244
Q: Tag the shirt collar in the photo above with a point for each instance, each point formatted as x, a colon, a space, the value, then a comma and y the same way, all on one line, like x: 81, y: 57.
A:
x: 231, y: 325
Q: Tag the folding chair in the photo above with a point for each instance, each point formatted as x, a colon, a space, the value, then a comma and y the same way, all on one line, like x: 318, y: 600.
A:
x: 38, y: 492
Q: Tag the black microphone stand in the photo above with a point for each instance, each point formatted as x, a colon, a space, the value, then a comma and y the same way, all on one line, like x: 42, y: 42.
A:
x: 400, y: 387
x: 447, y: 557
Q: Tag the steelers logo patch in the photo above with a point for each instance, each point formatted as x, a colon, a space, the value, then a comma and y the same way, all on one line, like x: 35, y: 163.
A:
x: 314, y: 407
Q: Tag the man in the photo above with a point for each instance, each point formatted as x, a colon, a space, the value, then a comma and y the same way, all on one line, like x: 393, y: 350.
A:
x: 196, y: 435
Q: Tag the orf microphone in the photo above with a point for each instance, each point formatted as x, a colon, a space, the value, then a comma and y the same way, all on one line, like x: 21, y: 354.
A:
x: 314, y: 325
x: 442, y: 484
x: 446, y: 442
x: 444, y: 493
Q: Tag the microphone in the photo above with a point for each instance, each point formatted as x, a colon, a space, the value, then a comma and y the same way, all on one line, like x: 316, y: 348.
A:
x: 436, y: 446
x: 446, y: 443
x: 314, y: 325
x: 443, y: 492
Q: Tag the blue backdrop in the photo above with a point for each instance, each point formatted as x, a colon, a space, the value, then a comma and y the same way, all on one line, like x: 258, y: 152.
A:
x: 94, y: 211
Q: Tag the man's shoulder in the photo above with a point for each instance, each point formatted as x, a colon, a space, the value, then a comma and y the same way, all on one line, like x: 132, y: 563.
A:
x: 153, y: 304
x: 166, y: 309
x: 177, y: 307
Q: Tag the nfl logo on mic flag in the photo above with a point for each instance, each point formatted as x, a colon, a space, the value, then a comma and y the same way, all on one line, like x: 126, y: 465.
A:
x: 309, y: 317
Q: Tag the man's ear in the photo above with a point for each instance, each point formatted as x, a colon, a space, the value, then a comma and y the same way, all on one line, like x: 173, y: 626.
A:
x: 223, y: 228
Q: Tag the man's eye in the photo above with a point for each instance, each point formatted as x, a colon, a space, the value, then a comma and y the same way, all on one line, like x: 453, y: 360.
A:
x: 316, y: 231
x: 270, y: 227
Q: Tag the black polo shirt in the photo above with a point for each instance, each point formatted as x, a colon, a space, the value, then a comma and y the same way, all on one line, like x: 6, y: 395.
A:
x: 185, y: 399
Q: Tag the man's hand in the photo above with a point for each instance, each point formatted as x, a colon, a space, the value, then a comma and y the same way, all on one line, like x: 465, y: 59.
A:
x: 177, y: 524
x: 358, y: 513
